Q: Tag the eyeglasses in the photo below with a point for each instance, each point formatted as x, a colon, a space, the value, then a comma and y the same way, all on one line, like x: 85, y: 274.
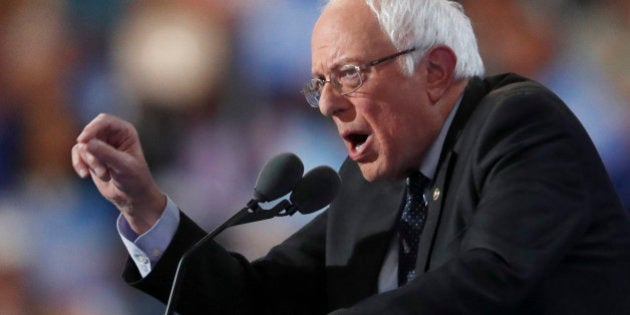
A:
x: 345, y: 79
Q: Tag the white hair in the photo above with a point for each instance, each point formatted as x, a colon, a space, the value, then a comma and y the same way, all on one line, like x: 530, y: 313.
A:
x: 425, y: 24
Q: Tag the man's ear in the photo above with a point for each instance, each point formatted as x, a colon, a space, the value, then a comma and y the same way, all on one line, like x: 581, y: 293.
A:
x: 441, y: 61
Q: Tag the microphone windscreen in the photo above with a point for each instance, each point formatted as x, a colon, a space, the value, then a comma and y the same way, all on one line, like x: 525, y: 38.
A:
x: 316, y: 190
x: 278, y: 177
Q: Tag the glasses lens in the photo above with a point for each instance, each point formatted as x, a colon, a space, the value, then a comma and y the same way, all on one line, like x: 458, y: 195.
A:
x: 312, y: 99
x: 348, y: 78
x: 312, y: 91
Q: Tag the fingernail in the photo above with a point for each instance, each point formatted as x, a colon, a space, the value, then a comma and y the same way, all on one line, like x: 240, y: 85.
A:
x: 100, y: 171
x: 83, y: 173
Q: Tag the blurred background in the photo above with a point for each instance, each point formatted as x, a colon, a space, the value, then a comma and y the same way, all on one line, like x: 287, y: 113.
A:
x: 213, y: 88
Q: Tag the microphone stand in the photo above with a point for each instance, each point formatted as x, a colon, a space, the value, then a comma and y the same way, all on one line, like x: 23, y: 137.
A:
x: 251, y: 213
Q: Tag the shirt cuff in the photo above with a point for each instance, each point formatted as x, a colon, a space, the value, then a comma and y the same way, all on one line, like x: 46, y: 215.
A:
x: 147, y: 249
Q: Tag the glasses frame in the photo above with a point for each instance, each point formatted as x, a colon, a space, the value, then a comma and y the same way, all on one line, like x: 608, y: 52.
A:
x: 312, y: 95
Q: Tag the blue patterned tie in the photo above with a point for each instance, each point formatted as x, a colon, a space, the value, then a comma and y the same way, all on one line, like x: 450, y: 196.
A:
x: 410, y: 227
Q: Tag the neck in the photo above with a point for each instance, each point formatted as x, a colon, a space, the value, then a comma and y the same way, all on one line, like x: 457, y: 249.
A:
x: 453, y: 93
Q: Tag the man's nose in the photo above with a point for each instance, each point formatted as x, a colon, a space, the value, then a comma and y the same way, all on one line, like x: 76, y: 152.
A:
x: 331, y: 102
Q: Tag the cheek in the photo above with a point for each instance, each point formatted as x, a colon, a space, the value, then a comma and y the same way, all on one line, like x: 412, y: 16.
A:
x: 392, y: 133
x: 392, y: 137
x: 398, y: 128
x: 404, y: 136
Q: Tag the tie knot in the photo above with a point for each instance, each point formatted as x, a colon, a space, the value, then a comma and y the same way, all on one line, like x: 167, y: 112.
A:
x: 416, y: 183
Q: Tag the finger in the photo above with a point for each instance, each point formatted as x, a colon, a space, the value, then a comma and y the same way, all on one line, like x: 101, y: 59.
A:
x: 77, y: 163
x: 96, y: 166
x: 90, y: 130
x: 99, y: 126
x: 115, y: 160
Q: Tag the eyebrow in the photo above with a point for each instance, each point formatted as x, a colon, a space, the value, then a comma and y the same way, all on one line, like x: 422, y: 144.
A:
x: 340, y: 63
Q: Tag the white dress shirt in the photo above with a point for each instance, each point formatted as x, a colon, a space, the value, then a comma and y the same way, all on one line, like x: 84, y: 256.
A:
x: 146, y: 249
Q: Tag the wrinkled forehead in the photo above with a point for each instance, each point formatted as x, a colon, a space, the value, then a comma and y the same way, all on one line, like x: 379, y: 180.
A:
x: 347, y: 30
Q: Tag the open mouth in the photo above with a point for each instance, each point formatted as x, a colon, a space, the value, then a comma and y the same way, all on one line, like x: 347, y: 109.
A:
x: 357, y: 140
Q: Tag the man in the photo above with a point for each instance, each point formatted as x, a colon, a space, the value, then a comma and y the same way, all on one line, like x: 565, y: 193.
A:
x: 518, y: 215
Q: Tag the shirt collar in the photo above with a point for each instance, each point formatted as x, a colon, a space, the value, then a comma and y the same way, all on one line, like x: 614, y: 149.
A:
x: 432, y: 158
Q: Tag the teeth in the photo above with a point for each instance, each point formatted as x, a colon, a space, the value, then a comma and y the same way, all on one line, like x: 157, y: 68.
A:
x: 359, y: 147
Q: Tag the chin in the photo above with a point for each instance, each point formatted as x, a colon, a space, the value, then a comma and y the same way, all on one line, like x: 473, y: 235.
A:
x: 369, y: 177
x: 375, y: 171
x: 380, y: 170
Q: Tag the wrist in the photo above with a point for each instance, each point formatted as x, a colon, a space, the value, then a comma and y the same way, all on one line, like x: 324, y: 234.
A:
x: 143, y: 214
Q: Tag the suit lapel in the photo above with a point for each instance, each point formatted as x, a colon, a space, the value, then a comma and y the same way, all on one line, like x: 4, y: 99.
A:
x: 472, y: 95
x: 435, y: 198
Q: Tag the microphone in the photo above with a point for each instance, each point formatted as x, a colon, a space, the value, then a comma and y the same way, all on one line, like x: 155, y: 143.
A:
x: 316, y: 190
x: 279, y: 176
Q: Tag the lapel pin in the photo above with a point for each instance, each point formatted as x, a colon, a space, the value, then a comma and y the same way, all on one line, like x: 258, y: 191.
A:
x: 436, y: 194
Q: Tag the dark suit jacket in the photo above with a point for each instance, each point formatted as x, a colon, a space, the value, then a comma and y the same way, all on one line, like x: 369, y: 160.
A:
x: 522, y: 220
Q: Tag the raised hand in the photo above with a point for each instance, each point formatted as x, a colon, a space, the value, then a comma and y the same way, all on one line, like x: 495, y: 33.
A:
x: 109, y: 150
